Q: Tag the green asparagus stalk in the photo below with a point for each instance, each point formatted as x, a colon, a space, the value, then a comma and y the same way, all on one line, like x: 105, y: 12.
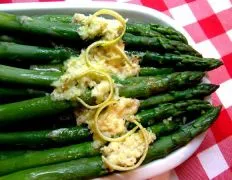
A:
x: 165, y: 145
x: 28, y: 77
x: 199, y: 91
x: 151, y: 116
x: 62, y: 18
x: 45, y: 79
x: 45, y: 157
x: 146, y: 30
x: 32, y: 54
x: 85, y: 168
x: 151, y: 71
x: 20, y: 92
x: 13, y: 23
x: 156, y: 85
x: 179, y: 62
x: 133, y: 28
x: 158, y: 44
x: 6, y: 154
x: 29, y: 109
x: 94, y: 167
x: 166, y: 30
x: 144, y: 71
x: 12, y: 52
x: 45, y: 137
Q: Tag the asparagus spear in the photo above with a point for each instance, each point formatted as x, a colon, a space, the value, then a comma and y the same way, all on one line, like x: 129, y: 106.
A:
x: 158, y: 44
x: 166, y: 30
x: 45, y: 137
x: 29, y: 77
x: 20, y: 93
x: 85, y: 168
x: 179, y: 62
x: 165, y: 145
x: 62, y: 154
x: 11, y: 52
x: 11, y: 22
x: 151, y: 71
x: 151, y: 116
x: 133, y: 28
x: 45, y: 157
x: 94, y: 167
x: 45, y: 79
x: 199, y: 91
x: 62, y: 18
x: 29, y: 109
x: 144, y: 71
x: 35, y: 54
x: 6, y: 154
x: 159, y: 84
x: 141, y: 29
x: 12, y: 94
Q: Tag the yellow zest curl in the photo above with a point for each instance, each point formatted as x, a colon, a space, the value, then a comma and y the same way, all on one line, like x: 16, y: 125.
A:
x: 123, y: 54
x: 105, y: 43
x: 116, y: 16
x: 121, y: 168
x: 111, y: 83
x: 99, y: 133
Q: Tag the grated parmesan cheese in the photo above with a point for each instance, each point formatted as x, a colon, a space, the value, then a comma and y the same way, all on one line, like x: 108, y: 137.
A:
x: 126, y: 153
x: 93, y: 26
x: 112, y: 121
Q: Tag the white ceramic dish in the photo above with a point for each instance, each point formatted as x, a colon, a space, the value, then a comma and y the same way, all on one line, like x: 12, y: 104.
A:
x: 133, y: 13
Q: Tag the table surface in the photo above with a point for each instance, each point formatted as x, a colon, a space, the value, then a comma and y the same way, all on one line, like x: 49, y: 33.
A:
x: 209, y: 23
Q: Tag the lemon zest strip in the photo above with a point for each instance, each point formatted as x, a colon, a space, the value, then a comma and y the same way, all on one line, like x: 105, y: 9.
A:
x: 100, y: 134
x: 108, y: 78
x: 121, y: 168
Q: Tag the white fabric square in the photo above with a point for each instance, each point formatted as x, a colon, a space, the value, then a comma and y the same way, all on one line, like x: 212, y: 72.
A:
x: 220, y: 5
x: 224, y: 93
x: 213, y: 161
x: 183, y: 15
x: 207, y: 49
x: 229, y: 33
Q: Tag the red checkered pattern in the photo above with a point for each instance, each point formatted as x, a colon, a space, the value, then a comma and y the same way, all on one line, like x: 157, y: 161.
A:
x: 209, y: 23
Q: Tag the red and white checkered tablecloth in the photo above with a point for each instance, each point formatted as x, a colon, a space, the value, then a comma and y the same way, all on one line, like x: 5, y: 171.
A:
x: 209, y: 22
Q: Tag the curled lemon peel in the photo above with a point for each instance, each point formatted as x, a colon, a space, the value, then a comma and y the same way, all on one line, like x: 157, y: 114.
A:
x: 140, y: 161
x: 111, y: 83
x: 100, y: 134
x: 123, y: 54
x: 104, y: 43
x: 116, y: 16
x: 93, y: 69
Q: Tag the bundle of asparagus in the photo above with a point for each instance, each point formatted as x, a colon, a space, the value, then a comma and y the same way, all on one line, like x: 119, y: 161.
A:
x: 168, y: 88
